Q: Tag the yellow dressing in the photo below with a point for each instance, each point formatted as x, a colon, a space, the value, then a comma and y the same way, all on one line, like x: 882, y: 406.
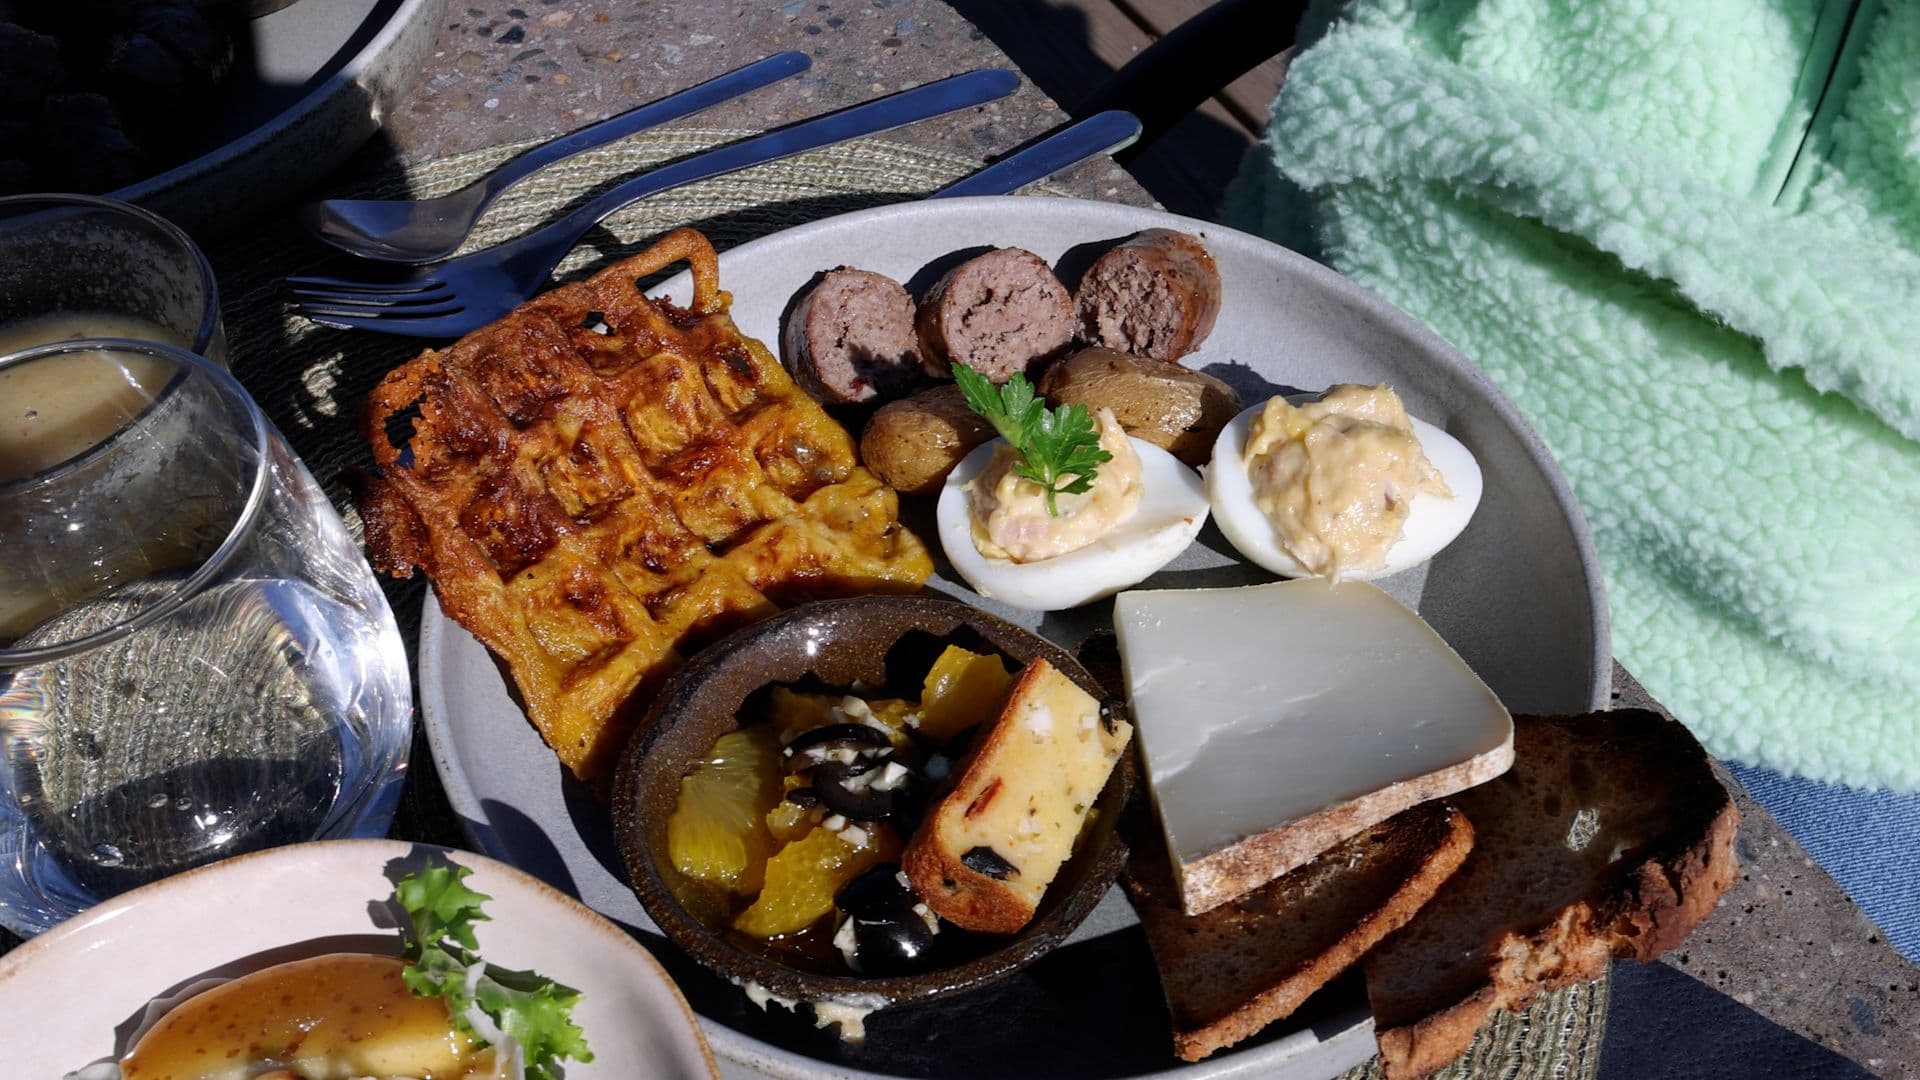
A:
x: 333, y: 1017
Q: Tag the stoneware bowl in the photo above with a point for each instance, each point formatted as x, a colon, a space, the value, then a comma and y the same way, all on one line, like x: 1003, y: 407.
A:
x: 839, y: 642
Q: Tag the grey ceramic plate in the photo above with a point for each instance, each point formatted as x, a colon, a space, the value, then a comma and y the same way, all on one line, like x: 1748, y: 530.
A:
x: 1518, y: 595
x: 318, y: 75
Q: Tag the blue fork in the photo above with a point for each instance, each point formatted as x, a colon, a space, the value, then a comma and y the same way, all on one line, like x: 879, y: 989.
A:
x: 464, y: 294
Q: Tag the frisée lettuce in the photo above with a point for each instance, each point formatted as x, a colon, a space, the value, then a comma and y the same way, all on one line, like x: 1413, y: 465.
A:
x: 518, y: 1011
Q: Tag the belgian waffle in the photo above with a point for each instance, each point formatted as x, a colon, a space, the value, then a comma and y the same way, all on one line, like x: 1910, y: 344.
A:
x: 599, y: 482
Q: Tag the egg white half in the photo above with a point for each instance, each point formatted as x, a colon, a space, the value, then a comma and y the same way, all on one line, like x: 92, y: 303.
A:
x: 1432, y: 520
x: 1173, y: 507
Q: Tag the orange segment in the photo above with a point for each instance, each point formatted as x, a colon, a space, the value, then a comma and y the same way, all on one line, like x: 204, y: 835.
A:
x: 803, y: 878
x: 962, y: 689
x: 718, y: 832
x: 789, y: 821
x: 795, y: 712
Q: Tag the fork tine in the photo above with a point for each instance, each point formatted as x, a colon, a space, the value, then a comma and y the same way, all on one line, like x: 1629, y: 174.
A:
x: 371, y: 287
x: 437, y: 293
x: 444, y: 326
x: 418, y: 311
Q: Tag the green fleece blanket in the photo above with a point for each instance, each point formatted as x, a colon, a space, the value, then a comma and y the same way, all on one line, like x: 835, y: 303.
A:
x: 1685, y: 239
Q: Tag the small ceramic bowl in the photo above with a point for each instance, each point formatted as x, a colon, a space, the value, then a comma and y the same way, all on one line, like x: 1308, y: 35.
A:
x: 839, y: 643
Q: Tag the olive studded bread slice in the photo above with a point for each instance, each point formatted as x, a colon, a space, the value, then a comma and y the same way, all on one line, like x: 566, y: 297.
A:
x: 985, y: 853
x: 1231, y: 971
x: 1609, y: 837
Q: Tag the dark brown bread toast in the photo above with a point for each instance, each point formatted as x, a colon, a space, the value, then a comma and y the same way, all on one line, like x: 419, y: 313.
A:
x: 1233, y: 970
x: 1609, y: 837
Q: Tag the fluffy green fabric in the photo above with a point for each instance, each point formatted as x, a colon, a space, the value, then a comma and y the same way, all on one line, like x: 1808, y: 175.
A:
x: 1600, y: 204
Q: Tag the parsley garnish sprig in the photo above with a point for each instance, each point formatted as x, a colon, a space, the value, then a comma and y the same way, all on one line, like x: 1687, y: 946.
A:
x: 440, y: 949
x: 1059, y: 448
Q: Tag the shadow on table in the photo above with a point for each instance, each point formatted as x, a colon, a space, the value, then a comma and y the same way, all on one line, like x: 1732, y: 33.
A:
x: 1052, y: 44
x: 1663, y: 1023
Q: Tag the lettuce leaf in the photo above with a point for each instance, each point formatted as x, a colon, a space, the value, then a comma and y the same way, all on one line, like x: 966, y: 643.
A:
x: 443, y: 961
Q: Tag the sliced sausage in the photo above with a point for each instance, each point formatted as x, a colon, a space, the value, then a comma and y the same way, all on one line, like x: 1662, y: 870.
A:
x: 1001, y: 313
x: 851, y: 338
x: 1175, y: 408
x: 913, y: 443
x: 1157, y: 294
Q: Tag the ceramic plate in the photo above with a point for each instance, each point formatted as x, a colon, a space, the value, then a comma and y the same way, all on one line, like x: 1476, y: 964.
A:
x: 317, y: 77
x: 80, y: 987
x: 1518, y: 595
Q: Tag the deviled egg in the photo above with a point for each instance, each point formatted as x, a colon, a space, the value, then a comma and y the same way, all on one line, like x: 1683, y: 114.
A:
x: 1342, y: 484
x: 1143, y: 508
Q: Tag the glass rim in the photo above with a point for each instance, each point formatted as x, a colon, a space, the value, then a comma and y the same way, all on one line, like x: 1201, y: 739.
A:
x: 209, y: 568
x: 210, y: 313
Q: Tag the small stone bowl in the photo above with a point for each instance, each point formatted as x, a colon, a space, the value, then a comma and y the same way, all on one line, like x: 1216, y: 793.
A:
x: 839, y: 642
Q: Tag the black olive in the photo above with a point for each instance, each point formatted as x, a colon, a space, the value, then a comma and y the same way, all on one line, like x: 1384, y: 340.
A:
x: 875, y: 893
x: 804, y: 797
x: 889, y: 937
x: 866, y: 803
x: 985, y: 860
x: 811, y: 746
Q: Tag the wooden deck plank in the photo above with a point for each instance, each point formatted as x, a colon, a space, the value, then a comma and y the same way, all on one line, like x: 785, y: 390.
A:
x: 1115, y: 37
x: 1246, y: 98
x: 1070, y: 48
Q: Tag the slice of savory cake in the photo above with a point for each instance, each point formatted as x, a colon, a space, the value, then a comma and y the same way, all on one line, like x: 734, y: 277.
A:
x: 986, y: 852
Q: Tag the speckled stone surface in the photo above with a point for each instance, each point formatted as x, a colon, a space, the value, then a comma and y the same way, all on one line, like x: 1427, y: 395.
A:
x: 503, y: 72
x: 1787, y: 943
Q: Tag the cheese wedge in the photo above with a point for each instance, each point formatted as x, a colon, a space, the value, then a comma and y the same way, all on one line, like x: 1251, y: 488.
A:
x: 1278, y: 720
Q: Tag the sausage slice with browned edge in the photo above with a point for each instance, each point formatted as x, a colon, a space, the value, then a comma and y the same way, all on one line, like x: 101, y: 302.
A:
x: 1002, y: 313
x: 1155, y: 294
x: 851, y: 338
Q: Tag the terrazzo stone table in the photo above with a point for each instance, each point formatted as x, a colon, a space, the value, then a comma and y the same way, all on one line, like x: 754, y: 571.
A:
x: 1786, y: 949
x: 504, y: 72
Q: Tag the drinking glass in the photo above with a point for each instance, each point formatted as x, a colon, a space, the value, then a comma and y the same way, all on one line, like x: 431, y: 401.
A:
x: 105, y: 267
x: 195, y: 660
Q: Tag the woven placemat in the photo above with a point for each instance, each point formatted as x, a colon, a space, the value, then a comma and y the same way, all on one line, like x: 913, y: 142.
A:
x: 310, y: 379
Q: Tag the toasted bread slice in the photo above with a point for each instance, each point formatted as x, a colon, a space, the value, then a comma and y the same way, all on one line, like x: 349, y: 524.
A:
x: 987, y: 851
x: 1609, y: 837
x: 1233, y: 970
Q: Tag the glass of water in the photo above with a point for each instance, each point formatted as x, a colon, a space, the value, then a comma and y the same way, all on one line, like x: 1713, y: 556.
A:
x: 195, y: 660
x: 75, y: 266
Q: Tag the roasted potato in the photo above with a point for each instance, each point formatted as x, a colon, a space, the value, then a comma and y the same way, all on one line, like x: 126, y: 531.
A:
x: 1175, y: 408
x: 913, y: 443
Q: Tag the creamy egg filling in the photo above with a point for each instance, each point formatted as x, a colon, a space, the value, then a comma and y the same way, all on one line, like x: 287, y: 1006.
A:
x: 1009, y: 512
x: 1335, y: 477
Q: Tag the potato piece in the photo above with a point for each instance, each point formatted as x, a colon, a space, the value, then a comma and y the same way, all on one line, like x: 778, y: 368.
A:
x: 1175, y: 408
x: 912, y: 444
